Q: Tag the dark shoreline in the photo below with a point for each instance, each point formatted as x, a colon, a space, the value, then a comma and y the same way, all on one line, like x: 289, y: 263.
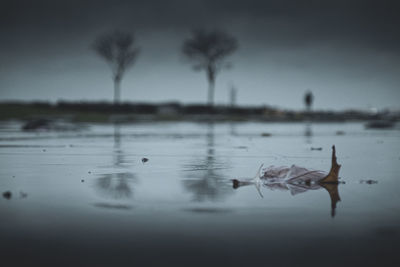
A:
x: 106, y: 112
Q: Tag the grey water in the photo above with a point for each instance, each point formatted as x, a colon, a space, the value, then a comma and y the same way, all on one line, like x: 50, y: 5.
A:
x: 85, y: 198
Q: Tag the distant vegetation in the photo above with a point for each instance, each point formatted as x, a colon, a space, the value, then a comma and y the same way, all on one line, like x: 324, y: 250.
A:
x: 131, y: 112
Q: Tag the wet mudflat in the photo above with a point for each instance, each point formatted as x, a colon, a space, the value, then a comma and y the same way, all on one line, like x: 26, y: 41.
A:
x: 88, y: 197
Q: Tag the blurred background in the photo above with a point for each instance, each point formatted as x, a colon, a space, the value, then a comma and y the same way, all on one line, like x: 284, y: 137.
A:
x: 345, y: 52
x: 128, y: 130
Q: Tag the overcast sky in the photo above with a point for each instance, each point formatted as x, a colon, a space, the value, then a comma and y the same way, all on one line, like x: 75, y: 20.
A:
x: 346, y: 52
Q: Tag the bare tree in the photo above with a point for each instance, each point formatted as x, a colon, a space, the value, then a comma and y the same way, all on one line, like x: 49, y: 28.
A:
x: 118, y: 49
x: 208, y: 50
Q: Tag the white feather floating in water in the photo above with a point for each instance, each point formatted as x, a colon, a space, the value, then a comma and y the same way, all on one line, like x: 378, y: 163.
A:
x: 297, y: 180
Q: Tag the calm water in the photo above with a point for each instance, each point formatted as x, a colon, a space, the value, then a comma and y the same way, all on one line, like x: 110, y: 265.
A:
x: 85, y: 197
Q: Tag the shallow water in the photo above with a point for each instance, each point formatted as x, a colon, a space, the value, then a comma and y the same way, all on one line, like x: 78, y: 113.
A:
x: 85, y: 197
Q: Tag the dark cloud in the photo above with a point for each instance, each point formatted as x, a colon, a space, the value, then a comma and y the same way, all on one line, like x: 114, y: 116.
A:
x: 366, y: 23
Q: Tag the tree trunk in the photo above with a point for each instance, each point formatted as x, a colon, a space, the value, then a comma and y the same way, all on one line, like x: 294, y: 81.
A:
x: 117, y: 90
x: 211, y: 86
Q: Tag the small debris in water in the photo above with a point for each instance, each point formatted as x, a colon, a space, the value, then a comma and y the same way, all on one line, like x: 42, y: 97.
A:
x: 113, y: 206
x: 266, y: 134
x: 7, y: 195
x: 89, y: 172
x: 316, y: 148
x: 144, y: 160
x: 35, y: 125
x: 368, y: 182
x: 208, y: 210
x: 22, y: 194
x: 13, y: 176
x: 83, y: 180
x: 380, y: 124
x: 44, y: 150
x: 340, y: 133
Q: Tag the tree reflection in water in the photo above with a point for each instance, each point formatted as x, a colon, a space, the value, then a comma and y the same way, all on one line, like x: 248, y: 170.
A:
x: 116, y: 185
x: 308, y: 133
x: 204, y: 178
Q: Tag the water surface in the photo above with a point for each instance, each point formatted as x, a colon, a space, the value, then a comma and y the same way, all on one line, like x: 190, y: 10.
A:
x: 85, y: 197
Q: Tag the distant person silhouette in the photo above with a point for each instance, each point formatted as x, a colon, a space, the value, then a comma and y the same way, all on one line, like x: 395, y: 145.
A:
x: 308, y: 100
